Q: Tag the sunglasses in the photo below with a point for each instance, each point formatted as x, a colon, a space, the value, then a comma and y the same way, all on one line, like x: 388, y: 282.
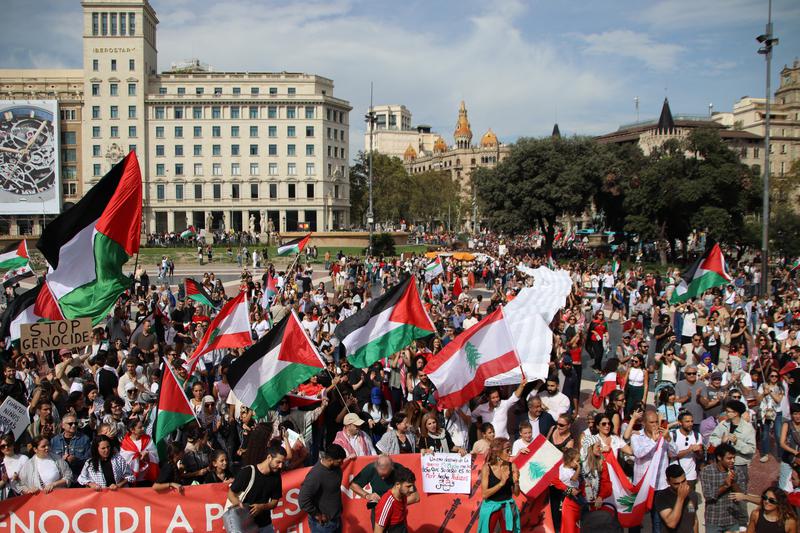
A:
x: 769, y: 499
x: 691, y: 373
x: 5, y: 445
x: 70, y: 423
x: 563, y: 425
x: 601, y: 424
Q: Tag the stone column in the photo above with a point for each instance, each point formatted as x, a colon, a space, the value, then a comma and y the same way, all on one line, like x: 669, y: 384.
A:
x: 227, y: 217
x: 170, y: 221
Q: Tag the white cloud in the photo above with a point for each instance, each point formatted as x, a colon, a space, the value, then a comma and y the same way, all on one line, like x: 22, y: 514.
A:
x: 631, y: 44
x: 683, y: 14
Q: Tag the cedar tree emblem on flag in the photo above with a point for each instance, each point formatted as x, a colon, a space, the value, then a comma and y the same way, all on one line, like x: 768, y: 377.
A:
x: 473, y: 356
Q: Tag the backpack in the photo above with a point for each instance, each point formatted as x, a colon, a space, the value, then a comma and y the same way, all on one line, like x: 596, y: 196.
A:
x: 603, y: 519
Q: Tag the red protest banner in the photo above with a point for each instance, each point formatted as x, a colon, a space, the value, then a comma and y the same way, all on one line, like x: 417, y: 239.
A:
x: 200, y: 508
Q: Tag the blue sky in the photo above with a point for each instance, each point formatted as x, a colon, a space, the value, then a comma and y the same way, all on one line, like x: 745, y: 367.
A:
x: 517, y: 64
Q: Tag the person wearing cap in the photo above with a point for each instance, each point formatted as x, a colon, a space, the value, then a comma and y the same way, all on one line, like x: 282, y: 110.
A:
x: 352, y: 439
x: 740, y: 434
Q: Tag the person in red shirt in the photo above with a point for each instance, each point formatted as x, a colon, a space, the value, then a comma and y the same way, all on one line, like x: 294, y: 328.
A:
x: 392, y: 509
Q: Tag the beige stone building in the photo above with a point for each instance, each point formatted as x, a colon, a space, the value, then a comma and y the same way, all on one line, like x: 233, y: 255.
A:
x: 218, y: 150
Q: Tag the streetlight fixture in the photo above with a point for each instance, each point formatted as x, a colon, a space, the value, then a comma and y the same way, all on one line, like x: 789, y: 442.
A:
x: 767, y: 41
x: 370, y: 120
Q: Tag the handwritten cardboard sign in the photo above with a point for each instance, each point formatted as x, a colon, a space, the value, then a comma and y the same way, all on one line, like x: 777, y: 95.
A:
x: 446, y: 473
x: 55, y: 335
x: 14, y: 417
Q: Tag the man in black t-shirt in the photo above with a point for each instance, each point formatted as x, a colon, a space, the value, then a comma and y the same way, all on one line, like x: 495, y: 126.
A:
x: 677, y: 504
x: 265, y: 491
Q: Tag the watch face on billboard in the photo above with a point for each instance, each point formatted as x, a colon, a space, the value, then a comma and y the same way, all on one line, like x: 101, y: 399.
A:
x: 29, y: 151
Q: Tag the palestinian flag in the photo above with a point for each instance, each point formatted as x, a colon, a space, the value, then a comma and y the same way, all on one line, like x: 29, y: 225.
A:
x: 13, y: 276
x: 14, y: 256
x: 632, y: 502
x: 615, y: 267
x: 269, y: 292
x: 550, y: 263
x: 281, y: 360
x: 295, y: 246
x: 433, y: 269
x: 707, y: 272
x: 229, y: 329
x: 87, y: 245
x: 386, y: 325
x: 538, y: 469
x: 461, y: 368
x: 196, y: 292
x: 19, y: 311
x: 188, y: 233
x: 173, y: 411
x: 795, y: 266
x: 605, y: 386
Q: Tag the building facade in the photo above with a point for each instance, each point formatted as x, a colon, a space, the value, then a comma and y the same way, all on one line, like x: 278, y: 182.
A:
x: 238, y: 151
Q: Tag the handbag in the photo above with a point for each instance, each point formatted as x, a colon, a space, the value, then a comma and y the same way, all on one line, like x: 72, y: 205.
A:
x: 236, y: 519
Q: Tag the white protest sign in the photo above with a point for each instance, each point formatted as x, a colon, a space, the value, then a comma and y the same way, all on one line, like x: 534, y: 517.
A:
x: 14, y: 417
x: 446, y: 473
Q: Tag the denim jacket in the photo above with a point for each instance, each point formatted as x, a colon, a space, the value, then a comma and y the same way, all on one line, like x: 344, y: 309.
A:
x: 80, y: 446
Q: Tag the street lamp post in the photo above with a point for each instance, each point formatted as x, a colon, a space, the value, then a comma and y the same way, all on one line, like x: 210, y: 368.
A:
x: 767, y: 41
x: 370, y: 119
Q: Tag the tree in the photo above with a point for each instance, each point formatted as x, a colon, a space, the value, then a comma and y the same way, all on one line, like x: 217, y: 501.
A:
x: 390, y: 187
x: 431, y: 194
x: 784, y: 229
x: 539, y: 182
x: 786, y: 189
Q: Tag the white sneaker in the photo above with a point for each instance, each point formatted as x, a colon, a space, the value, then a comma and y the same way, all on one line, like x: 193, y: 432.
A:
x: 764, y: 458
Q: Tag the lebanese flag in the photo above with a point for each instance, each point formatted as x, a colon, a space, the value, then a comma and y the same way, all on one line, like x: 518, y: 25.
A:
x: 229, y: 329
x: 141, y: 456
x: 707, y: 272
x: 605, y: 386
x: 538, y: 469
x: 461, y: 368
x: 457, y: 290
x: 295, y: 246
x: 87, y: 245
x: 632, y: 502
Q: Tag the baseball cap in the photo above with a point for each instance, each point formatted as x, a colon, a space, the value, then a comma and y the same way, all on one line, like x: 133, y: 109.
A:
x: 208, y: 399
x: 352, y: 418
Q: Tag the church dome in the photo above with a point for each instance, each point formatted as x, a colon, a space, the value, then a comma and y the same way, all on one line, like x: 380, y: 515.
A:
x: 489, y: 139
x: 439, y: 145
x: 410, y: 153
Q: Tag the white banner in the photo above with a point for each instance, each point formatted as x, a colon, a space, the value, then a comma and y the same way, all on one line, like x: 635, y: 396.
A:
x: 446, y: 473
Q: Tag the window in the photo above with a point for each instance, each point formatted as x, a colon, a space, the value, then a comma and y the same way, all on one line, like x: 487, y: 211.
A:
x: 273, y: 191
x: 310, y: 170
x: 272, y: 149
x: 235, y: 131
x: 253, y: 149
x: 254, y: 190
x: 159, y: 112
x: 181, y: 91
x: 755, y: 152
x: 68, y: 137
x: 309, y: 190
x: 310, y: 150
x: 131, y: 64
x: 95, y: 169
x: 216, y: 131
x: 159, y: 132
x: 254, y: 169
x: 197, y: 131
x: 113, y: 89
x: 216, y: 112
x: 236, y: 169
x: 292, y: 190
x: 216, y: 150
x: 327, y: 114
x: 291, y: 112
x: 329, y: 133
x: 272, y: 111
x: 291, y: 150
x: 309, y: 131
x: 95, y: 111
x: 291, y: 169
x: 123, y: 26
x: 160, y: 169
x: 179, y: 169
x: 291, y: 131
x: 113, y: 64
x: 178, y: 112
x: 216, y: 189
x: 273, y: 91
x: 198, y: 150
x: 132, y: 131
x: 95, y: 150
x: 114, y: 131
x: 114, y: 111
x: 235, y: 191
x: 235, y: 111
x: 104, y: 24
x: 253, y: 112
x: 217, y: 91
x: 179, y: 132
x: 159, y: 150
x: 162, y: 90
x: 253, y: 131
x: 237, y: 91
x: 131, y: 89
x: 272, y: 131
x: 113, y: 32
x: 234, y: 149
x: 178, y: 150
x: 160, y: 192
x: 197, y: 112
x: 179, y: 191
x: 198, y: 171
x: 336, y: 191
x: 132, y: 111
x: 216, y: 169
x: 253, y: 91
x: 95, y: 89
x: 198, y: 191
x: 198, y: 91
x: 309, y: 111
x: 95, y: 24
x: 291, y: 91
x: 273, y: 169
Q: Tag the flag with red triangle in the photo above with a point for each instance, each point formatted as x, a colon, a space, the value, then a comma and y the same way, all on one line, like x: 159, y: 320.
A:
x: 707, y: 272
x: 229, y: 329
x: 174, y: 409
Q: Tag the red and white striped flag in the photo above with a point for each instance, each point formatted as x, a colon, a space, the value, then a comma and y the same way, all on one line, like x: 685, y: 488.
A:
x: 538, y: 469
x: 604, y: 387
x: 631, y: 501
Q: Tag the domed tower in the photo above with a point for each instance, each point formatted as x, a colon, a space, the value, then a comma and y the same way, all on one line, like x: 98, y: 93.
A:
x: 489, y: 140
x: 439, y: 146
x: 463, y: 133
x: 410, y: 154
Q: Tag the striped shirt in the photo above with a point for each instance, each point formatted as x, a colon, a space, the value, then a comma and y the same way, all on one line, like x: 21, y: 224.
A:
x: 390, y: 511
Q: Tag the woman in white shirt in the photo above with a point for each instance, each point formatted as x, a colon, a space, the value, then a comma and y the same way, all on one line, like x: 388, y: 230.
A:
x: 10, y: 466
x: 770, y: 396
x: 44, y: 472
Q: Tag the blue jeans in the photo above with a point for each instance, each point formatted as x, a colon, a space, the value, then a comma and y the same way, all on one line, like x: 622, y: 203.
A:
x: 266, y: 529
x: 333, y: 526
x: 766, y: 429
x: 713, y: 528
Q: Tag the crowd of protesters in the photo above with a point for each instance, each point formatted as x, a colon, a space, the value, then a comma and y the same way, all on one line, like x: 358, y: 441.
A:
x: 715, y: 377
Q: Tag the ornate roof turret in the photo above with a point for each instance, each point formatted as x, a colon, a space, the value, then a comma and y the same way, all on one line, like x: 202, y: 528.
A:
x: 665, y: 122
x: 556, y: 132
x: 489, y: 140
x: 463, y: 133
x: 410, y: 154
x: 439, y: 145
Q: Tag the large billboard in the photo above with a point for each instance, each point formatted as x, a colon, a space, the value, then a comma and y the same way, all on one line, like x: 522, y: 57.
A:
x: 29, y: 157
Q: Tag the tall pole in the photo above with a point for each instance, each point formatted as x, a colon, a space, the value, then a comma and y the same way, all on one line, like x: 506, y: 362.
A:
x: 370, y: 118
x: 768, y: 42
